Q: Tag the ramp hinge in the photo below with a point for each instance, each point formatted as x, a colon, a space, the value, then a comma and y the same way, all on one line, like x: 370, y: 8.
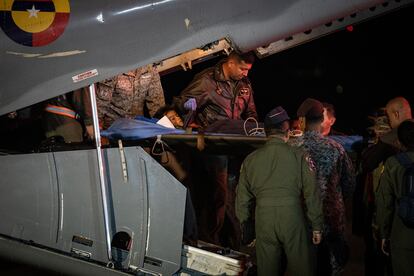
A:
x: 123, y: 161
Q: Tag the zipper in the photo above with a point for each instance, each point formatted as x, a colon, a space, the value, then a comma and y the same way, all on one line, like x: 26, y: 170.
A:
x: 233, y: 99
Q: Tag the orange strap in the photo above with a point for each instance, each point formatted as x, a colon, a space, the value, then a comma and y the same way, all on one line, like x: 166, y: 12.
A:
x: 60, y: 110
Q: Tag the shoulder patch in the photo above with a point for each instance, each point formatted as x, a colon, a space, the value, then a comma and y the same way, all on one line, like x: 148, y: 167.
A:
x: 245, y: 91
x: 311, y: 163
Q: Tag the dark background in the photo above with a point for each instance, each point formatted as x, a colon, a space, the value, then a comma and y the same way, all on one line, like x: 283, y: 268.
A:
x: 357, y: 71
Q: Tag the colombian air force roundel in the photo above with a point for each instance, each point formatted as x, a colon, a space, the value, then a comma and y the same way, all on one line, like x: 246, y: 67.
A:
x: 34, y: 23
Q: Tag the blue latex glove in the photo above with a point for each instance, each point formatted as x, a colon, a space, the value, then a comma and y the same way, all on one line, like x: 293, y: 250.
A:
x: 190, y: 104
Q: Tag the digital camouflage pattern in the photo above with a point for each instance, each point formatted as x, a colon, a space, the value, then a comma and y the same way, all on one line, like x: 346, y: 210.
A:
x: 336, y: 178
x: 335, y: 175
x: 125, y: 95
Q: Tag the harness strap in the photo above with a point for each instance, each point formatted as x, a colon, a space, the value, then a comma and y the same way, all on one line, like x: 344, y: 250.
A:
x: 60, y: 110
x: 408, y: 164
x: 404, y: 159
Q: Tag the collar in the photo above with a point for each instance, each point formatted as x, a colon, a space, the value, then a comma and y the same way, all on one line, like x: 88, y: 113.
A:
x: 313, y: 133
x: 218, y: 71
x: 275, y: 140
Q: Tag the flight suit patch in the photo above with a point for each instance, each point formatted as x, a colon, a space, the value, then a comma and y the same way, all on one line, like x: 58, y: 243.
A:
x: 244, y: 92
x: 311, y: 163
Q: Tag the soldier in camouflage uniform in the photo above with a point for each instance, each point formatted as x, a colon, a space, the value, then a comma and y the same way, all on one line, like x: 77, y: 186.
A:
x: 125, y: 95
x: 274, y: 178
x: 336, y: 179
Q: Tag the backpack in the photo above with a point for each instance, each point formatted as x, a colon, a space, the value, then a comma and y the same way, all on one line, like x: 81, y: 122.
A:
x: 406, y: 203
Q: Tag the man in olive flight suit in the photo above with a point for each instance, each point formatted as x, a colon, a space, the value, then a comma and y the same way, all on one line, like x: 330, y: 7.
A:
x: 392, y: 227
x: 275, y: 176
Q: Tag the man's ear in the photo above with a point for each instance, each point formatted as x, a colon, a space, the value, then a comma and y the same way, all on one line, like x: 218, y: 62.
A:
x: 332, y: 121
x: 231, y: 62
x: 397, y: 115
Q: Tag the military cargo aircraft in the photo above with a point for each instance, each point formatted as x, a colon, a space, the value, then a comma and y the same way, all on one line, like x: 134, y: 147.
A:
x: 116, y: 210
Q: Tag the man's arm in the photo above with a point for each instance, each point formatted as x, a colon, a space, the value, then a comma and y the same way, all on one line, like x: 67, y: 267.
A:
x: 348, y: 178
x: 311, y: 194
x: 251, y: 107
x: 244, y: 208
x: 155, y: 98
x: 104, y: 91
x: 244, y: 197
x: 385, y: 200
x: 82, y: 104
x: 376, y: 154
x: 197, y: 89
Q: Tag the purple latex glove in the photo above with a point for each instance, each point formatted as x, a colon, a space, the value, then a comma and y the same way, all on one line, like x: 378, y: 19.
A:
x: 190, y: 104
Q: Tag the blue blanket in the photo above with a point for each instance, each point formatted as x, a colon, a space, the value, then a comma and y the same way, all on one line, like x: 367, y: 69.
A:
x: 130, y: 129
x: 348, y: 142
x: 142, y: 128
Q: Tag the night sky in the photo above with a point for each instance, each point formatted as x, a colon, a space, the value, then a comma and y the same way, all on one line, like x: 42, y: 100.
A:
x: 357, y: 71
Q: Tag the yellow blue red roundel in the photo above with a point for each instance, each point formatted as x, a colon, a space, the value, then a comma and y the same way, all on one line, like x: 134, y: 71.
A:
x: 34, y: 23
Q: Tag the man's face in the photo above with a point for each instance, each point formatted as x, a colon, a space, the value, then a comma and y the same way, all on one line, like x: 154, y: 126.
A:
x: 327, y: 123
x: 393, y: 117
x: 238, y: 70
x: 294, y: 124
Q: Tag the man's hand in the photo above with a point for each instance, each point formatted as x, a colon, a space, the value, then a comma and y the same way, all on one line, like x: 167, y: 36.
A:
x: 385, y: 246
x: 190, y: 104
x: 12, y: 115
x: 248, y: 232
x: 252, y: 244
x: 316, y: 237
x: 90, y: 132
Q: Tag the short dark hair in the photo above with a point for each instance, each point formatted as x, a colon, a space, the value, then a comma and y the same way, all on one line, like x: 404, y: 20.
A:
x: 406, y: 134
x: 247, y: 57
x: 314, y: 120
x: 311, y: 109
x: 163, y: 110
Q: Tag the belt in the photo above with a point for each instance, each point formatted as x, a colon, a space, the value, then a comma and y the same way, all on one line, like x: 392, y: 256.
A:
x: 277, y: 202
x: 63, y: 111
